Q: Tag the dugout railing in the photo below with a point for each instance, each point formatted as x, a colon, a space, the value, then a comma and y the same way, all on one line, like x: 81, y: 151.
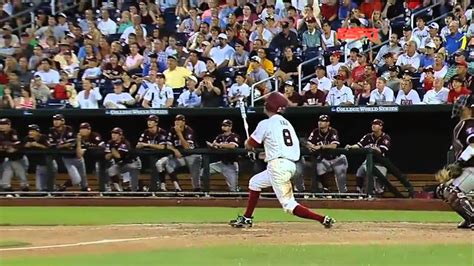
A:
x: 372, y: 157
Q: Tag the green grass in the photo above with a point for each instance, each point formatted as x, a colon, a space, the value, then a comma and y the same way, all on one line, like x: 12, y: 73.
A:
x: 384, y: 255
x: 13, y: 244
x: 125, y: 215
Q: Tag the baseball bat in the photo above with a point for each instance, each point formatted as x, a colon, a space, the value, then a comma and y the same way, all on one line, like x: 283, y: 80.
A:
x: 243, y: 114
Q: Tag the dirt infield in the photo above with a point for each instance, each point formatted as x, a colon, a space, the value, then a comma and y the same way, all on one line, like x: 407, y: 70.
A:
x: 69, y: 240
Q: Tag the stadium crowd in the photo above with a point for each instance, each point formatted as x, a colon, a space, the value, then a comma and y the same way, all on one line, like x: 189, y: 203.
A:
x: 209, y: 53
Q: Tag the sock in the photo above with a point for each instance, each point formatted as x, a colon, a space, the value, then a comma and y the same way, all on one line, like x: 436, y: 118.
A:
x: 303, y: 212
x: 252, y: 203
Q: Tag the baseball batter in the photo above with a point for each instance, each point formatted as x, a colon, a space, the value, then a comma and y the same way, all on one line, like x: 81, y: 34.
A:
x: 326, y: 137
x: 16, y: 163
x: 457, y: 179
x: 282, y: 150
x: 228, y: 166
x: 62, y: 137
x: 34, y: 141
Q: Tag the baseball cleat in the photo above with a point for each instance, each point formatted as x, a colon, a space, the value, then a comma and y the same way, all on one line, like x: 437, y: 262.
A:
x: 241, y: 222
x: 465, y: 225
x: 328, y: 222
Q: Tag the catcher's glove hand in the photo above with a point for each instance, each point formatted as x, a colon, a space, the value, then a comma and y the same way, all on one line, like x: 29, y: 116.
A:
x: 449, y: 172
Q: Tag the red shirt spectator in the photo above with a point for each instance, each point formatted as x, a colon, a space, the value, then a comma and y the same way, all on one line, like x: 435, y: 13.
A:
x: 368, y: 6
x: 457, y: 90
x: 329, y: 10
x: 413, y: 4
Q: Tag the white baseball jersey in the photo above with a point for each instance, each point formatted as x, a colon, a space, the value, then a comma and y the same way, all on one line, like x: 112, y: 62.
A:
x: 278, y: 137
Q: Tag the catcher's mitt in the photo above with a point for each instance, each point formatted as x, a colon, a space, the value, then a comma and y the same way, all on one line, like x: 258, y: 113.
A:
x: 449, y: 172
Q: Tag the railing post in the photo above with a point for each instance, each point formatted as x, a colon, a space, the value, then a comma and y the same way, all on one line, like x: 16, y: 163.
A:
x: 50, y: 173
x: 153, y: 173
x: 369, y: 164
x: 53, y: 7
x: 252, y: 95
x: 205, y: 173
x: 300, y: 67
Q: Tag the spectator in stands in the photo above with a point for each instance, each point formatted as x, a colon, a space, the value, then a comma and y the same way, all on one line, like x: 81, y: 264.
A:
x: 455, y: 40
x: 339, y: 94
x: 428, y: 78
x: 382, y: 95
x: 8, y: 49
x: 257, y: 75
x: 433, y: 31
x: 406, y: 95
x: 39, y: 91
x: 360, y: 71
x: 293, y: 97
x: 311, y: 37
x: 158, y: 94
x: 90, y: 95
x: 410, y: 60
x: 391, y: 48
x: 462, y: 72
x: 428, y: 57
x: 421, y: 31
x: 393, y: 81
x: 457, y: 89
x: 363, y: 98
x: 438, y: 41
x: 240, y: 59
x: 133, y: 63
x: 333, y: 68
x: 261, y: 33
x: 221, y: 53
x: 211, y: 95
x: 190, y: 25
x: 284, y: 38
x: 239, y: 91
x: 106, y: 25
x: 314, y: 96
x: 289, y: 66
x: 437, y: 95
x: 329, y: 41
x: 175, y: 75
x: 351, y: 61
x: 26, y: 100
x: 7, y: 99
x: 49, y: 76
x: 408, y: 36
x: 118, y: 99
x: 36, y: 58
x: 136, y: 22
x: 189, y: 97
x: 92, y: 70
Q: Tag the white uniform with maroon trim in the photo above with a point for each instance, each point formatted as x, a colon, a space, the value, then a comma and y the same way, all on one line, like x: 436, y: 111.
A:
x: 282, y: 150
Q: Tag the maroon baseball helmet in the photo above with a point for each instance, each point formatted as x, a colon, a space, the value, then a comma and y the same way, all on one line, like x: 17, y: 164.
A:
x: 276, y: 102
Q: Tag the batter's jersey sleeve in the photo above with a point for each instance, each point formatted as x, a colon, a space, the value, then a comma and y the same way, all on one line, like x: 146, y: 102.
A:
x: 259, y: 134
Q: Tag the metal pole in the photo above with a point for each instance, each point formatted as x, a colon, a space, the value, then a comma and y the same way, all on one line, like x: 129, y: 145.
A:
x: 299, y: 77
x: 252, y: 95
x: 369, y: 164
x: 53, y: 7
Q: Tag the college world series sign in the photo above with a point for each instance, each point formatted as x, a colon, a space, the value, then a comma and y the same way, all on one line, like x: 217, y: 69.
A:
x: 365, y: 109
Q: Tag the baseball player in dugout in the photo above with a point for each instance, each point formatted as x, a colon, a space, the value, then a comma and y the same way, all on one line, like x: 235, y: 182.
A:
x: 457, y: 179
x: 282, y: 150
x: 62, y: 137
x: 89, y: 144
x: 327, y: 137
x: 37, y: 141
x: 118, y: 153
x: 228, y: 166
x: 12, y: 162
x: 378, y: 141
x: 154, y: 138
x: 181, y: 137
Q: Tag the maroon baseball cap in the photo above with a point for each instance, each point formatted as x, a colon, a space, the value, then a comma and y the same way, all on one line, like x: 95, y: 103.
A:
x: 153, y: 118
x: 324, y: 118
x: 117, y: 130
x: 5, y: 121
x: 227, y: 122
x: 377, y: 122
x: 180, y: 117
x: 85, y: 125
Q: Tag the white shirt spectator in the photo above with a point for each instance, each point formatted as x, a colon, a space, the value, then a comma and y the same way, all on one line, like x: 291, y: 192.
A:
x: 107, y: 27
x: 436, y: 97
x: 332, y: 70
x: 404, y: 40
x: 404, y: 59
x: 420, y: 34
x: 189, y: 99
x: 407, y: 99
x: 158, y: 96
x: 267, y: 36
x: 91, y: 102
x: 337, y: 96
x: 198, y: 69
x: 117, y: 100
x: 324, y: 84
x: 384, y: 97
x: 50, y: 77
x: 219, y: 55
x: 92, y: 73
